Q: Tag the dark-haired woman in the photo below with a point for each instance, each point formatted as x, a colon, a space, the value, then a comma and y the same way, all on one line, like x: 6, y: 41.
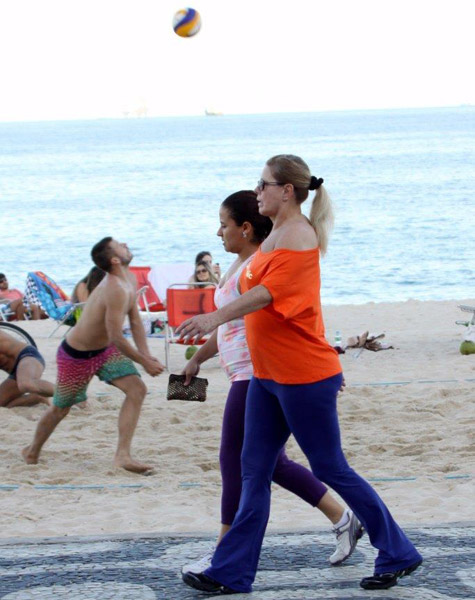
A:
x: 294, y: 388
x: 84, y: 287
x: 242, y: 229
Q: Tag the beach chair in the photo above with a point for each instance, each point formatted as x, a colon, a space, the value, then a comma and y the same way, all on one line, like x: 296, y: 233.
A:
x: 6, y: 314
x: 183, y: 303
x: 469, y: 309
x: 43, y: 291
x: 162, y: 275
x: 148, y: 301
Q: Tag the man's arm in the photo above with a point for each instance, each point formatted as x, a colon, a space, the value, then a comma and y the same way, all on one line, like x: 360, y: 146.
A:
x: 116, y: 308
x: 138, y: 331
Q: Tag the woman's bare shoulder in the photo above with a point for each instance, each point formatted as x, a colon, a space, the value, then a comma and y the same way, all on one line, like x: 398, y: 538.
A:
x: 298, y: 235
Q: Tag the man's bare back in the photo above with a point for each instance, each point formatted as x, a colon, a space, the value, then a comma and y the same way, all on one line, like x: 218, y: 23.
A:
x: 25, y: 366
x: 9, y: 351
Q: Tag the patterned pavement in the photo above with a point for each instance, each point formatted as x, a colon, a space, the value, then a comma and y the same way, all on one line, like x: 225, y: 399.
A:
x: 293, y: 566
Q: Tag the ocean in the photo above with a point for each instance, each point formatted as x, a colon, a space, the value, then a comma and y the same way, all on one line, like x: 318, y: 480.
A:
x: 402, y: 183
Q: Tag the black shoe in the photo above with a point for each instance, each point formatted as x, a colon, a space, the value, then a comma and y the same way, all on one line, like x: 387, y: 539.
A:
x: 383, y: 581
x: 202, y: 582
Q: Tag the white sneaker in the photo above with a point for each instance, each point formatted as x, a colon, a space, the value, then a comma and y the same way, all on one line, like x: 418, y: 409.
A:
x: 199, y: 565
x: 347, y: 537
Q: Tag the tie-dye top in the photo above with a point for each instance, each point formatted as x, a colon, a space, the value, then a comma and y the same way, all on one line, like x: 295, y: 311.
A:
x: 232, y: 345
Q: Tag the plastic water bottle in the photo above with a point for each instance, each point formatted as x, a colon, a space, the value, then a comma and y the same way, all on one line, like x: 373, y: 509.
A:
x: 337, y: 338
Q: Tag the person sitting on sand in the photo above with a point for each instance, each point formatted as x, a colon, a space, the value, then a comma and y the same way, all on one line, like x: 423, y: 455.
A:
x: 24, y: 365
x: 97, y: 346
x: 83, y: 288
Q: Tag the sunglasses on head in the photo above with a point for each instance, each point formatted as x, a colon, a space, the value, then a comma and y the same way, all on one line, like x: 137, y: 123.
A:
x: 262, y: 183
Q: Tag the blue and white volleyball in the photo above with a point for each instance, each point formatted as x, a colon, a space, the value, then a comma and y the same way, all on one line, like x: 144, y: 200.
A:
x: 187, y: 22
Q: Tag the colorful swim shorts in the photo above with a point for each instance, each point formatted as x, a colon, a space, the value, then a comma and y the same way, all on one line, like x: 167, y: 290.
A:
x: 76, y: 368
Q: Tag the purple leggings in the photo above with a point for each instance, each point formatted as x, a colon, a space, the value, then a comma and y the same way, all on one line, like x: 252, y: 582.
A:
x: 287, y: 474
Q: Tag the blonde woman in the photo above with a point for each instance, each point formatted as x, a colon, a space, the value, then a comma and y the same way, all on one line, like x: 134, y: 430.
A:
x: 295, y: 383
x: 203, y: 274
x: 242, y: 230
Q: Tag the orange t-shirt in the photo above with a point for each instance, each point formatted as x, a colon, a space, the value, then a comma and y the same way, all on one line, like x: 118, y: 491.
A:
x: 287, y: 338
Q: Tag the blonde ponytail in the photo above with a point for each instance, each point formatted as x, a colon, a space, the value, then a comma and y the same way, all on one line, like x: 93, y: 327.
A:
x: 288, y: 168
x: 321, y: 217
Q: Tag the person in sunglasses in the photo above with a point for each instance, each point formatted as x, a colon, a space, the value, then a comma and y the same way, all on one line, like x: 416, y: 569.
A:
x: 242, y: 230
x: 205, y: 256
x: 296, y: 379
x: 203, y: 274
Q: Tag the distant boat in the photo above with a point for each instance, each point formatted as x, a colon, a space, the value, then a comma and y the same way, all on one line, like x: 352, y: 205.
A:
x: 212, y: 112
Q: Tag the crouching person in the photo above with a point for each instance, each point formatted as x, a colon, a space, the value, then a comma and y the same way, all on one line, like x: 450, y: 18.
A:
x: 25, y: 366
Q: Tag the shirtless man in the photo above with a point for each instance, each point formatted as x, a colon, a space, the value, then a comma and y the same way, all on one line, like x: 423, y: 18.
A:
x: 25, y: 365
x: 96, y: 346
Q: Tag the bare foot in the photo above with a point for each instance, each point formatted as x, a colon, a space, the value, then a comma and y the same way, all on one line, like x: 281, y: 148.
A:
x: 28, y: 457
x: 129, y: 464
x: 83, y: 405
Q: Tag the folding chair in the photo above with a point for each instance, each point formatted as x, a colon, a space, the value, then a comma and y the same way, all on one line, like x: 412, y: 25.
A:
x: 148, y: 300
x: 183, y: 303
x: 163, y: 275
x: 5, y: 311
x: 42, y: 290
x: 469, y: 309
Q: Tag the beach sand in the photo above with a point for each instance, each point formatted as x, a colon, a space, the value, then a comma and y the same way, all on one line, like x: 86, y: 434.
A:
x: 413, y: 436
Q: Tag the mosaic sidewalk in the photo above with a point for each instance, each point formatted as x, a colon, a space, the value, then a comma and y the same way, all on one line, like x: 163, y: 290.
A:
x: 294, y: 566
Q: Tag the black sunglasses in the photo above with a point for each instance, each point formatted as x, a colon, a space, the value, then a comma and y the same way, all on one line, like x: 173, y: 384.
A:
x: 261, y: 184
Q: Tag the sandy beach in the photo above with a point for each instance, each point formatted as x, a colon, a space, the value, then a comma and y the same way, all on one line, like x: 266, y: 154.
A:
x: 406, y: 417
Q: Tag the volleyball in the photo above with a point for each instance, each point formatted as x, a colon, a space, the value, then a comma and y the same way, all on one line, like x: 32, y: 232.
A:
x: 187, y: 22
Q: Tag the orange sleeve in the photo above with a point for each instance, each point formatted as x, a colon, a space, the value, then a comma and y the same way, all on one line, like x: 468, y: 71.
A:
x: 283, y: 279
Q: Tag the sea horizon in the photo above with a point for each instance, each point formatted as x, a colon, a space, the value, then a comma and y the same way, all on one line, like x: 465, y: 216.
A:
x: 401, y: 180
x: 237, y: 114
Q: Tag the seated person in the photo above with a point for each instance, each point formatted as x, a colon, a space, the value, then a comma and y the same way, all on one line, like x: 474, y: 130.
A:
x: 24, y: 365
x: 205, y: 256
x: 14, y: 298
x: 17, y: 302
x: 203, y: 274
x: 84, y: 287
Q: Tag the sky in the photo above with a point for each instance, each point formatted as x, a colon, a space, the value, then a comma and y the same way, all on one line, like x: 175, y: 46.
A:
x: 65, y: 59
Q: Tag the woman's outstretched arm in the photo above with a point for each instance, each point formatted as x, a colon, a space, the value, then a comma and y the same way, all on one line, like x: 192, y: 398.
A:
x: 199, y: 326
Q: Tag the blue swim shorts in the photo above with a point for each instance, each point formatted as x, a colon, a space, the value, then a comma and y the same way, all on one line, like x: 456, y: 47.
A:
x: 27, y: 352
